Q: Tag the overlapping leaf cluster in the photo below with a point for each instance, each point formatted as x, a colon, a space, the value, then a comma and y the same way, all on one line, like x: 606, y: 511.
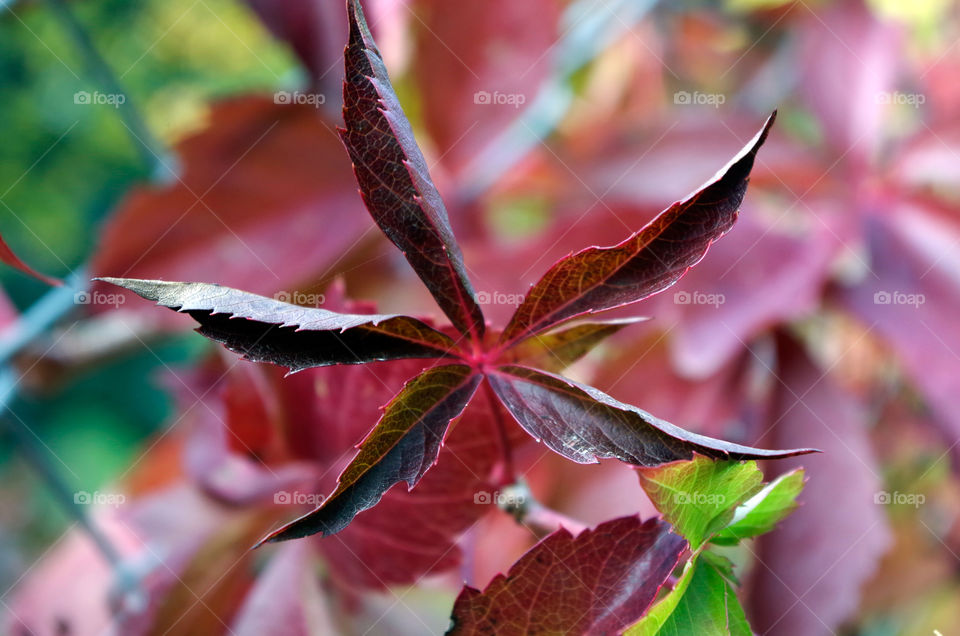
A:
x: 609, y: 578
x: 574, y: 420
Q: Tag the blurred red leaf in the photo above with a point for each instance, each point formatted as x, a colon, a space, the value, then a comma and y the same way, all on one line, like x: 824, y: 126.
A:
x: 7, y: 256
x: 600, y: 581
x: 911, y: 296
x: 286, y: 599
x: 477, y: 64
x: 316, y: 30
x: 261, y: 182
x: 839, y: 528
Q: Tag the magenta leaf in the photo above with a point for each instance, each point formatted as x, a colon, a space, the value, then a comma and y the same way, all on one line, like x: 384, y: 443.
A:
x: 268, y: 330
x: 402, y: 447
x: 599, y: 278
x: 7, y: 256
x: 584, y: 424
x: 598, y: 582
x: 395, y: 182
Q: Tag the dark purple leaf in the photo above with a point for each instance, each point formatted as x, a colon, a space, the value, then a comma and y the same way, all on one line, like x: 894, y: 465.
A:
x: 651, y: 260
x: 584, y: 424
x: 395, y: 182
x: 268, y: 330
x: 402, y: 447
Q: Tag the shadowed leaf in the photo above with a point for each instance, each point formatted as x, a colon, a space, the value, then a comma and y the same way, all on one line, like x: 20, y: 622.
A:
x: 651, y: 260
x: 402, y: 447
x: 595, y: 583
x: 559, y: 349
x: 584, y: 424
x: 268, y: 330
x: 395, y: 182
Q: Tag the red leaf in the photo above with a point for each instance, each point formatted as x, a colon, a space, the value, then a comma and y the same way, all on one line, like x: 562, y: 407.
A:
x: 262, y: 182
x: 268, y: 330
x: 286, y: 599
x: 651, y: 260
x: 376, y: 551
x: 584, y: 424
x: 402, y: 447
x: 316, y: 30
x: 477, y: 65
x: 912, y: 298
x: 395, y: 182
x: 809, y: 570
x: 11, y: 259
x: 596, y: 583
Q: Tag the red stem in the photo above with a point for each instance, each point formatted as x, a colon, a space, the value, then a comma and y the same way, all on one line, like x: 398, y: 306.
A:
x: 508, y: 472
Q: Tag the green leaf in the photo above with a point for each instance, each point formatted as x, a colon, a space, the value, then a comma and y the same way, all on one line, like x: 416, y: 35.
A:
x: 699, y: 497
x: 764, y: 510
x: 702, y: 602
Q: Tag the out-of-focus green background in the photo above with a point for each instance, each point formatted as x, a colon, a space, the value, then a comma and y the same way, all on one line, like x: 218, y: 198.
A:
x: 64, y: 166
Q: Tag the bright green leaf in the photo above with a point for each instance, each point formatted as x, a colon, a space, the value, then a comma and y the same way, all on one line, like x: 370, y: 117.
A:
x: 764, y: 510
x: 699, y: 497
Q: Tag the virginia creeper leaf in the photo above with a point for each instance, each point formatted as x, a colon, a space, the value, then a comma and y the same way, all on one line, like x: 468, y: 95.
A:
x: 259, y: 183
x: 651, y: 260
x: 11, y: 259
x: 395, y: 182
x: 557, y: 350
x: 595, y: 583
x: 702, y: 602
x: 764, y: 510
x: 699, y: 497
x: 584, y: 424
x: 402, y: 447
x: 268, y: 330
